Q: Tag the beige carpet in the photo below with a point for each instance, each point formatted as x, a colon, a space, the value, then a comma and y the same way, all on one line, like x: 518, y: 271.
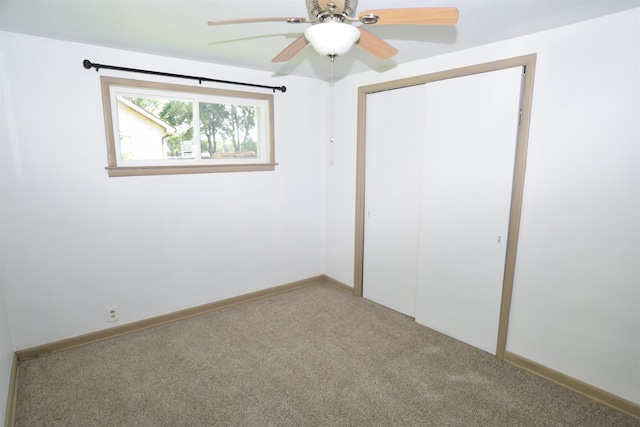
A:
x: 315, y: 356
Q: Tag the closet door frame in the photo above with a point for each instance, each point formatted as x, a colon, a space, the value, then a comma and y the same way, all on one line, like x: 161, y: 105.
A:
x: 528, y: 63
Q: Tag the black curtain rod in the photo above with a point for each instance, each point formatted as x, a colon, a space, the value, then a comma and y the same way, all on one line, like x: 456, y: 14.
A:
x: 88, y: 65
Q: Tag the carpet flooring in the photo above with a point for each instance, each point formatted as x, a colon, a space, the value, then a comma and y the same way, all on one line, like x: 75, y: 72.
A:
x: 314, y: 356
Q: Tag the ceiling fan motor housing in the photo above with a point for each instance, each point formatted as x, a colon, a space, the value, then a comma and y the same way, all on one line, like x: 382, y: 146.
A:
x: 317, y: 7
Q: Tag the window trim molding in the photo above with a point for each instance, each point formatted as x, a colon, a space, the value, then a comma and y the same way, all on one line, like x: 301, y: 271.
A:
x: 115, y: 170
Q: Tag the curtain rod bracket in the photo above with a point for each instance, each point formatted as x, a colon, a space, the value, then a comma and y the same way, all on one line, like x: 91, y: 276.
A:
x: 88, y: 65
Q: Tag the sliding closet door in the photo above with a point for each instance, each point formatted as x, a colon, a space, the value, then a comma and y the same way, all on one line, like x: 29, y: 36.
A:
x: 394, y: 140
x: 471, y: 128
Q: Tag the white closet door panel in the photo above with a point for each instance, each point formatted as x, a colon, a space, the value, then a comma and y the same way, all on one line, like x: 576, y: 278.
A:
x: 394, y: 132
x: 468, y: 163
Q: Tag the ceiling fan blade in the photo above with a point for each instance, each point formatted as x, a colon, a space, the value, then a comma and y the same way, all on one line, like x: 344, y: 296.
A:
x: 414, y: 16
x: 375, y: 45
x: 291, y: 50
x: 254, y: 20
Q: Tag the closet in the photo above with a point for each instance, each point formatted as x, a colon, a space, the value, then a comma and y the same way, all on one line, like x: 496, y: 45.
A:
x: 438, y: 187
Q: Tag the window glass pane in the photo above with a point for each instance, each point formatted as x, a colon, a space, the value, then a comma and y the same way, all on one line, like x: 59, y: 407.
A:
x: 229, y: 131
x: 152, y: 128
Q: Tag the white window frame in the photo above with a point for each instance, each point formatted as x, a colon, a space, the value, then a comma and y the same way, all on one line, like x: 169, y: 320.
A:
x: 112, y: 87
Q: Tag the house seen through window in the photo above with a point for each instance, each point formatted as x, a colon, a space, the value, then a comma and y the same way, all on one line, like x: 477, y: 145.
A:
x: 158, y: 128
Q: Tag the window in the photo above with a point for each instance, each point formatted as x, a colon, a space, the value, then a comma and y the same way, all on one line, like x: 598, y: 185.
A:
x: 159, y: 128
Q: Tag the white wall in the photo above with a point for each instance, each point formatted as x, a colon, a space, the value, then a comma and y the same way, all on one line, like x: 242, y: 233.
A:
x: 75, y: 241
x: 7, y: 347
x: 576, y: 302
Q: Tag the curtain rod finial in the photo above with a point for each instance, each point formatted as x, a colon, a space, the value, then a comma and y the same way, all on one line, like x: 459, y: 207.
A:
x: 87, y: 64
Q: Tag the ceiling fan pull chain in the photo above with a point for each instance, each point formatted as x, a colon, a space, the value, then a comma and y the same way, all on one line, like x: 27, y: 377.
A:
x: 331, y: 104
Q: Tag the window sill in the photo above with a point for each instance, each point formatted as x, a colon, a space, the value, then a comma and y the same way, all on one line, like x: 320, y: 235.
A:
x: 187, y: 169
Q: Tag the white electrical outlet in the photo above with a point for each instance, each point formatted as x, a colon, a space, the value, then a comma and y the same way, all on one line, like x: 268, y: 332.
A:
x: 112, y: 314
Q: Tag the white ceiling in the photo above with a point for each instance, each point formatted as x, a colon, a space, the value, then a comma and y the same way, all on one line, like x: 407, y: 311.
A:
x: 178, y: 28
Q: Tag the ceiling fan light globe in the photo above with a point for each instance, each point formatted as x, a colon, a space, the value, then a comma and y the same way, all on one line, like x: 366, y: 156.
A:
x: 332, y: 38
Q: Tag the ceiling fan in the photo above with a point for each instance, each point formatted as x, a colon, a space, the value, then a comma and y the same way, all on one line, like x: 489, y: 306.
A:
x: 333, y: 35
